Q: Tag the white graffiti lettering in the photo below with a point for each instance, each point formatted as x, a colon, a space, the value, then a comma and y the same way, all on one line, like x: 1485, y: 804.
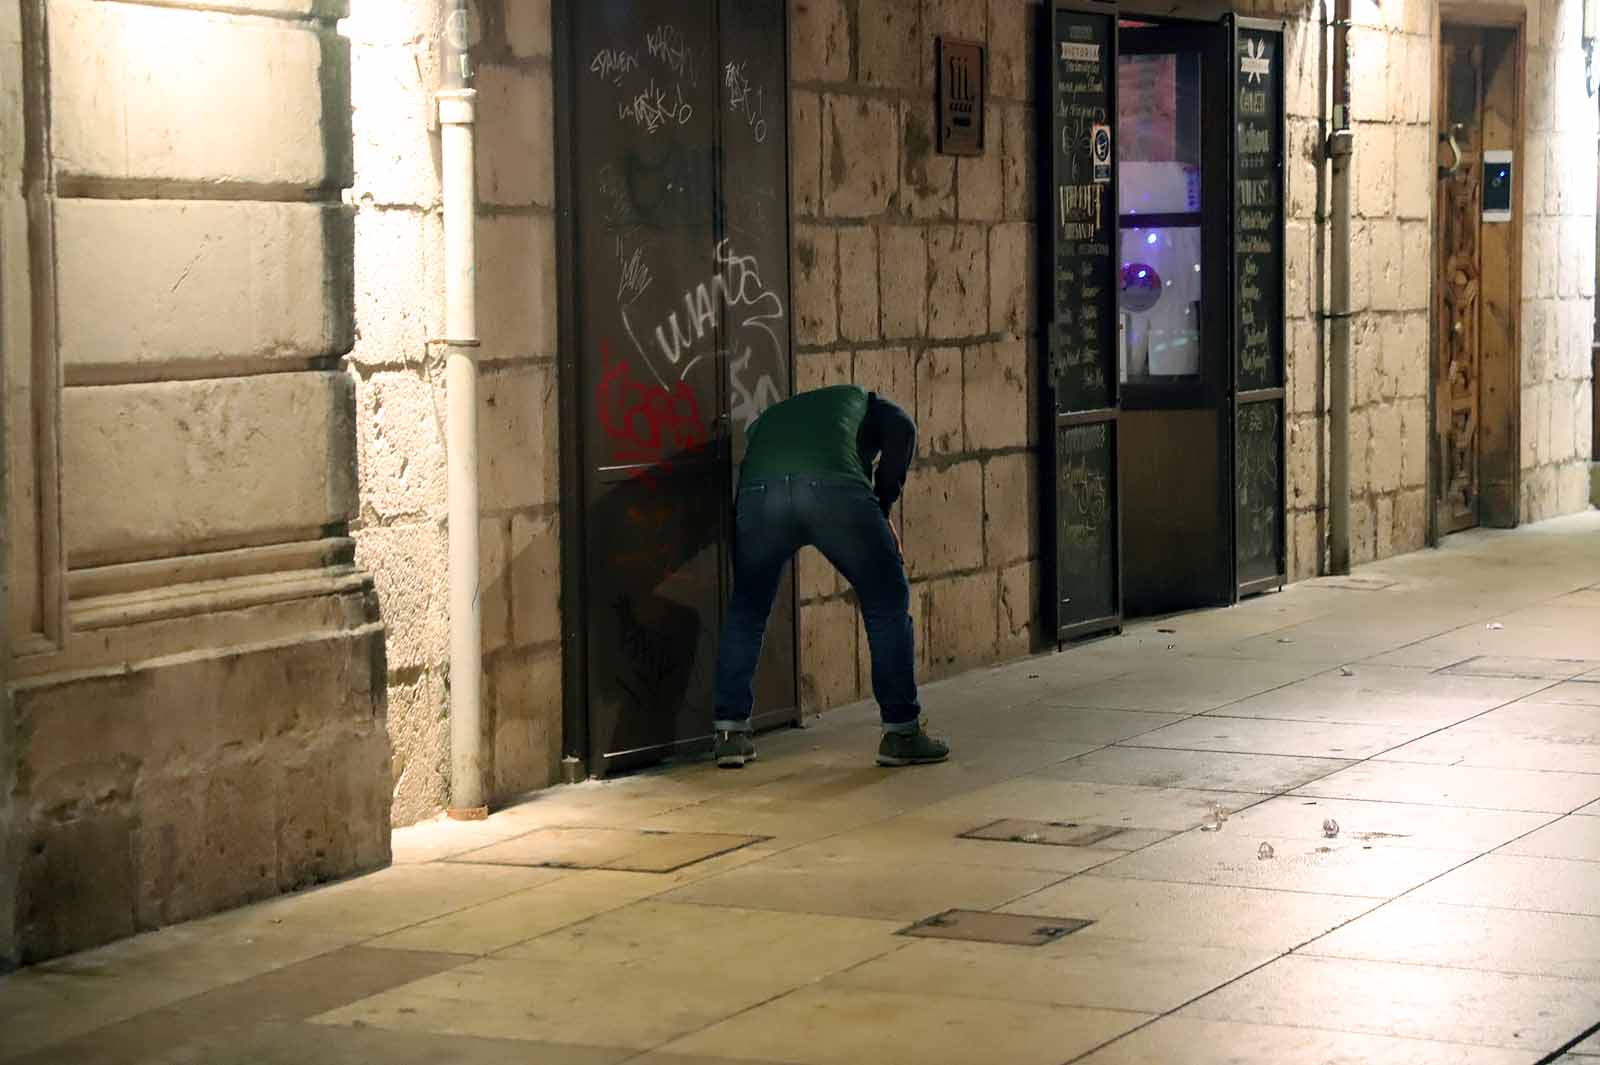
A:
x: 748, y: 402
x: 653, y: 109
x: 668, y: 46
x: 746, y: 100
x: 611, y: 64
x: 737, y: 283
x: 753, y: 347
x: 634, y: 277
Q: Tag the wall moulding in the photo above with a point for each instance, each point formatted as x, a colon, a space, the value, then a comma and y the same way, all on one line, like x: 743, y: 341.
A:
x: 311, y: 608
x: 32, y: 374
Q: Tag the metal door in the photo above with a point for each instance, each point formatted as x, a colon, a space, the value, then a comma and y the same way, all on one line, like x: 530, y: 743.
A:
x: 1082, y: 510
x: 675, y: 266
x: 1258, y: 301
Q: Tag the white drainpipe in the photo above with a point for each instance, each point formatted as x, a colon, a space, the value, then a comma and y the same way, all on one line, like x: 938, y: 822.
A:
x: 457, y: 119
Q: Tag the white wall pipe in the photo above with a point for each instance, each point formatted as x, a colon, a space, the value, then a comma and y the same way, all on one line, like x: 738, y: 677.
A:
x: 457, y: 120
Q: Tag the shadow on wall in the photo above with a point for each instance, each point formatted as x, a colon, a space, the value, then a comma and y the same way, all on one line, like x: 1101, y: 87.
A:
x: 133, y: 815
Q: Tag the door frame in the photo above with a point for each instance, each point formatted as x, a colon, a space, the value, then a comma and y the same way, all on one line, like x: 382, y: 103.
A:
x: 1505, y: 17
x: 1052, y: 419
x: 1278, y: 391
x: 576, y: 739
x: 1214, y: 42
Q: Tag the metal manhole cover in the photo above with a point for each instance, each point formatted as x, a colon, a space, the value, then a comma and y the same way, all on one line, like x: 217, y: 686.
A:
x: 1355, y: 584
x: 1520, y: 668
x: 1066, y: 834
x: 980, y: 926
x: 627, y: 850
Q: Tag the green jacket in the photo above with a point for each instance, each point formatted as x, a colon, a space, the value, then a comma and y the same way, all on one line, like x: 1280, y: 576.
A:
x: 839, y: 431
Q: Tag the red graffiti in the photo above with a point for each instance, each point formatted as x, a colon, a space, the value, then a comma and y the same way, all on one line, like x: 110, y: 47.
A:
x: 648, y: 424
x: 658, y: 537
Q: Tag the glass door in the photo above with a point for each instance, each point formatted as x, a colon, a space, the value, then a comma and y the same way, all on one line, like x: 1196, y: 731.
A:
x: 1083, y: 568
x: 1173, y: 363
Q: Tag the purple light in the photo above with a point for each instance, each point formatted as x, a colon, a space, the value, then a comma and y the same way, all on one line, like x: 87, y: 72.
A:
x: 1151, y: 239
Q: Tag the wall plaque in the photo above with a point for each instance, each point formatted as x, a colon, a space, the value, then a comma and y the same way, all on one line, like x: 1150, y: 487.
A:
x: 963, y: 78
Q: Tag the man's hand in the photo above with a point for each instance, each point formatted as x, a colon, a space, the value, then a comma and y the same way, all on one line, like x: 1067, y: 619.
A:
x: 899, y: 549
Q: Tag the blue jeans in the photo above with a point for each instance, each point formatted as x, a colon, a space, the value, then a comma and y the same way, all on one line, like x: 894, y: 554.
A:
x: 841, y: 518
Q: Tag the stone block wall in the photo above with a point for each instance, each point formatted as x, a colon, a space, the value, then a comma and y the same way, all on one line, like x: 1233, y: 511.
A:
x: 11, y: 208
x: 397, y: 369
x: 1391, y: 266
x: 192, y: 653
x: 1558, y: 264
x: 1395, y: 49
x: 913, y: 277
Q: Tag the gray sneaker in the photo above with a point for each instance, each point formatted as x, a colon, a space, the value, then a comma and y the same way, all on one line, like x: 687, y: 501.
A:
x: 734, y: 749
x: 911, y: 748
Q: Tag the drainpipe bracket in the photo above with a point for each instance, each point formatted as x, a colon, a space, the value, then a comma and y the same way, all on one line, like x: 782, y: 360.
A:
x: 1341, y: 143
x: 458, y: 107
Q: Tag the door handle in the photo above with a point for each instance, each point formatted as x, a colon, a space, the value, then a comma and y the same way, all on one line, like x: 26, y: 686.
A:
x: 1455, y: 151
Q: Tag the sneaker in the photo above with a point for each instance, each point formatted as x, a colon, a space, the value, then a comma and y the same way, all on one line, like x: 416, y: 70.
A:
x: 734, y: 749
x: 911, y: 748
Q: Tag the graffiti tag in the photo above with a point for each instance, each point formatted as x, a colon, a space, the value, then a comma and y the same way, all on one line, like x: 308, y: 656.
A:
x: 655, y: 107
x: 612, y: 64
x: 668, y: 46
x: 746, y: 100
x: 647, y: 424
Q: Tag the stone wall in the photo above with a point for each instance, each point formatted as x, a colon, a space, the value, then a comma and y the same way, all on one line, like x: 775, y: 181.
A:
x: 913, y: 277
x: 397, y: 367
x: 1558, y: 264
x: 196, y: 722
x: 11, y: 199
x: 1395, y: 48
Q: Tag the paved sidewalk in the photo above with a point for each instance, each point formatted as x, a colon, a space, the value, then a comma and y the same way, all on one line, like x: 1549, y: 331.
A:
x: 1357, y: 821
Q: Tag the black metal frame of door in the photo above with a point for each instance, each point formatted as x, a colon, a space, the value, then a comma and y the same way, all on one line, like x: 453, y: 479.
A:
x: 1260, y: 510
x: 1200, y: 575
x: 1081, y: 589
x: 1251, y: 456
x: 584, y: 749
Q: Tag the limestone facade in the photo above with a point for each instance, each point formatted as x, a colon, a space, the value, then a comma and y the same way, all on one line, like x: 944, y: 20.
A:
x: 951, y: 321
x: 913, y: 276
x: 196, y: 666
x: 221, y: 311
x: 397, y: 370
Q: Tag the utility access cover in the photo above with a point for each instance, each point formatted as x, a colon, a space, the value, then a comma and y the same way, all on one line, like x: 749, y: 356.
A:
x: 1066, y: 834
x: 979, y: 926
x: 1520, y: 668
x: 630, y: 850
x: 1354, y: 584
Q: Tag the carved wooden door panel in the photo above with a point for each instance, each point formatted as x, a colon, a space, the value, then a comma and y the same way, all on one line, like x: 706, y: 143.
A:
x: 1458, y: 371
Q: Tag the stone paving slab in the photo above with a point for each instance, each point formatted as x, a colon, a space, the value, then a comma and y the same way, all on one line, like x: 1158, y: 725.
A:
x: 1423, y: 781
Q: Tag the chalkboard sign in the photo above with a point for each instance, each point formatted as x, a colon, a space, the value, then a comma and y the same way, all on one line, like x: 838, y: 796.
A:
x: 1258, y: 208
x: 1083, y: 328
x: 1085, y: 523
x: 1258, y: 492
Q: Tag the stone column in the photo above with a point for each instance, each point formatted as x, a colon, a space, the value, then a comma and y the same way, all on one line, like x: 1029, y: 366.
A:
x: 199, y: 688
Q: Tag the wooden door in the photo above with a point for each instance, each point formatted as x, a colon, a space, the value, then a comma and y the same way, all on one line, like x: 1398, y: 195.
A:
x: 1477, y: 371
x: 1460, y: 281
